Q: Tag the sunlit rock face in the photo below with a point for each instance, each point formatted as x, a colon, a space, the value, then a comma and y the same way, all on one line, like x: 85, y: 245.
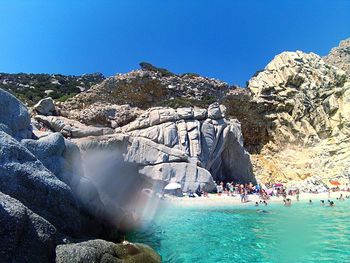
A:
x: 186, y: 144
x: 340, y: 56
x: 192, y: 146
x: 307, y: 103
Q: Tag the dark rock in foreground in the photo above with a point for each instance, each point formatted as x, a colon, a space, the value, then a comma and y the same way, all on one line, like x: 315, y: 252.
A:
x: 45, y: 201
x: 24, y: 235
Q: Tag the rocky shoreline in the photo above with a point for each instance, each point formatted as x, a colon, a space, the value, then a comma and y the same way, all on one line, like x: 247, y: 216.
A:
x: 73, y: 175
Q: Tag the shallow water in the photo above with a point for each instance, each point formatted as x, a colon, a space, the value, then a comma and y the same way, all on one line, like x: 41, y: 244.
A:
x: 301, y: 233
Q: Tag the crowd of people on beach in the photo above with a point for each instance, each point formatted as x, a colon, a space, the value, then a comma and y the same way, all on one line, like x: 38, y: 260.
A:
x: 277, y: 190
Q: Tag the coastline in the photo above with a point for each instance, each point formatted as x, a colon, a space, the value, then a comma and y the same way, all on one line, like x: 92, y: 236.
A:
x: 224, y: 200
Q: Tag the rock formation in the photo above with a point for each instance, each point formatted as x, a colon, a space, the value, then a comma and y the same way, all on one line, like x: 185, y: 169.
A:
x: 306, y: 102
x: 340, y: 56
x: 45, y: 106
x: 45, y: 197
x: 190, y: 135
x: 192, y: 146
x: 149, y: 87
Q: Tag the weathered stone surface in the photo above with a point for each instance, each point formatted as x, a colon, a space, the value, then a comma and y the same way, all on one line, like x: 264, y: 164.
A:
x: 24, y: 235
x: 101, y: 251
x: 72, y: 128
x: 340, y: 56
x: 214, y: 111
x: 45, y: 107
x: 105, y: 114
x: 144, y: 151
x: 190, y: 176
x: 14, y: 117
x: 307, y: 102
x: 202, y: 142
x: 147, y: 88
x: 23, y: 177
x: 47, y: 198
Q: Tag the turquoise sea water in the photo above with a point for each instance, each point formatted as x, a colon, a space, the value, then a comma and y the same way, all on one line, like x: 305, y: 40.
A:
x: 301, y: 233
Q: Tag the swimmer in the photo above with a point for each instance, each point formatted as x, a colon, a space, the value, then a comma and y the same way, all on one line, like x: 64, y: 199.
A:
x: 262, y: 211
x: 256, y: 204
x: 322, y: 202
x: 265, y: 203
x: 310, y: 202
x: 331, y: 203
x: 287, y: 202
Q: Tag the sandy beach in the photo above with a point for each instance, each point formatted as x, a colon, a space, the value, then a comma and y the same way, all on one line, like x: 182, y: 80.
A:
x: 224, y: 200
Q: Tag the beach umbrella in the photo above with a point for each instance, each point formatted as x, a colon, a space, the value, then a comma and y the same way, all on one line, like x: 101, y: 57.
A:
x: 335, y: 183
x: 172, y: 186
x: 278, y: 185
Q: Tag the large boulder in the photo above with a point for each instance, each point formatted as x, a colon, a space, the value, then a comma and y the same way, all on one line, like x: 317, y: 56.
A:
x: 45, y: 107
x: 24, y: 177
x: 14, y: 117
x: 24, y: 235
x: 100, y: 251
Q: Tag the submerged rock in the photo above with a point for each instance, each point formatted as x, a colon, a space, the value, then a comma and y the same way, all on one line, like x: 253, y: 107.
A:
x: 101, y: 251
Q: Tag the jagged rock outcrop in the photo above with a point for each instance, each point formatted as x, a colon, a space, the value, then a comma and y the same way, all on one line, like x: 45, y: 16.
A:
x: 306, y: 102
x: 251, y: 114
x: 151, y: 87
x: 340, y: 56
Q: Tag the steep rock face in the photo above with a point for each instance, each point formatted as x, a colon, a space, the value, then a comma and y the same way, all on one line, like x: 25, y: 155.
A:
x: 340, y: 56
x: 307, y: 103
x: 205, y: 138
x: 251, y: 114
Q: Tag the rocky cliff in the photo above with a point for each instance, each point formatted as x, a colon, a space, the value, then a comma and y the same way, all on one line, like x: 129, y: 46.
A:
x: 192, y: 146
x: 306, y: 105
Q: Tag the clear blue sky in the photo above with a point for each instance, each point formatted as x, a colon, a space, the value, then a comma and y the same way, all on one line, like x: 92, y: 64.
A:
x: 229, y: 40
